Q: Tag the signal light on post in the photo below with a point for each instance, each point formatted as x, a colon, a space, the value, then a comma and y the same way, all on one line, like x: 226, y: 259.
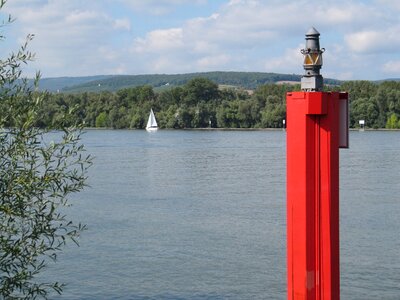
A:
x: 312, y: 79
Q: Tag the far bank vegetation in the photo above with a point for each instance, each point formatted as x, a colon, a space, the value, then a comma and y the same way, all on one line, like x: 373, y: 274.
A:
x: 200, y: 103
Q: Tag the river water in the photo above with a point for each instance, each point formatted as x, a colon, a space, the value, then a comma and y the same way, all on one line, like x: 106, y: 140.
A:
x: 202, y: 215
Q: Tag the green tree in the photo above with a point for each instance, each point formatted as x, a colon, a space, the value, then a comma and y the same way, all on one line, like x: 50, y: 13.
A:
x: 37, y: 177
x: 170, y: 97
x: 184, y: 117
x: 393, y: 122
x: 227, y: 114
x: 272, y: 116
x: 381, y: 101
x: 137, y: 119
x: 169, y: 118
x: 200, y: 89
x: 101, y: 120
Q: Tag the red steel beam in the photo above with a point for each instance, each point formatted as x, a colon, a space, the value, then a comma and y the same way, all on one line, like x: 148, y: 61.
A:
x: 313, y: 195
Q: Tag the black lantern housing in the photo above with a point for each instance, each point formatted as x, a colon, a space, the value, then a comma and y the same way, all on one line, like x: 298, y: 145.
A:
x: 312, y: 79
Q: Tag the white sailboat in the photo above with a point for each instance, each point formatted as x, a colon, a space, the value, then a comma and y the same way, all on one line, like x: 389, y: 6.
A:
x: 151, y: 123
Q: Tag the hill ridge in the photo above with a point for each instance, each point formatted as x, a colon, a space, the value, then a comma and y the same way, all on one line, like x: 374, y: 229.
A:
x: 112, y: 83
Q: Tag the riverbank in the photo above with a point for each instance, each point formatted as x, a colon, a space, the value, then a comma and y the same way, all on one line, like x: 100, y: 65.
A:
x: 232, y: 129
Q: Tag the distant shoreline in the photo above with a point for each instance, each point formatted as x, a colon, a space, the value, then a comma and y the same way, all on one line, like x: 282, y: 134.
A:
x: 230, y: 129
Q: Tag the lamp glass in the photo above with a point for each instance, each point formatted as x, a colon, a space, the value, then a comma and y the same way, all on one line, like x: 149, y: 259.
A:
x: 313, y: 59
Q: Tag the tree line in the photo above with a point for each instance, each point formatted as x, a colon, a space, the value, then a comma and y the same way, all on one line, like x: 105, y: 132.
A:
x: 202, y: 103
x: 376, y: 103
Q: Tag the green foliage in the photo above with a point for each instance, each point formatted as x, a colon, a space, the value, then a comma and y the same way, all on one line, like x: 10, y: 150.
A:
x: 39, y: 170
x: 393, y: 122
x: 101, y: 120
x: 37, y: 177
x: 372, y: 102
x: 200, y: 102
x: 200, y: 89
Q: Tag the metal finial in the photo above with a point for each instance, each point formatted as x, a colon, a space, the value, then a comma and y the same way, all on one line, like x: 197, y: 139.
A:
x: 312, y: 80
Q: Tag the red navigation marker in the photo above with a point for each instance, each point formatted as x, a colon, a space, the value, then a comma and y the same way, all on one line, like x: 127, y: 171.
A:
x: 317, y: 126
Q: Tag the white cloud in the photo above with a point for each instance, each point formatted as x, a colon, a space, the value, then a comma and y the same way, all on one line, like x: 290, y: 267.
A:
x: 364, y: 41
x: 160, y: 41
x: 392, y: 67
x: 389, y: 4
x: 251, y: 34
x: 374, y: 41
x: 81, y: 17
x: 75, y: 37
x: 343, y: 15
x: 122, y: 24
x: 213, y: 62
x: 69, y: 36
x: 157, y: 7
x: 291, y: 61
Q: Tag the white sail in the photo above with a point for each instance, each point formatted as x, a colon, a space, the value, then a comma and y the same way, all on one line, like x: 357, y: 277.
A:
x: 152, y: 123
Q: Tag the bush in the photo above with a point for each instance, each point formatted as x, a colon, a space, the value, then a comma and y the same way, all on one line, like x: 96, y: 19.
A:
x: 37, y: 176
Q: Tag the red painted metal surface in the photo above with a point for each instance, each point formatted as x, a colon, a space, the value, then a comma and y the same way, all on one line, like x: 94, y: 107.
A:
x: 313, y: 195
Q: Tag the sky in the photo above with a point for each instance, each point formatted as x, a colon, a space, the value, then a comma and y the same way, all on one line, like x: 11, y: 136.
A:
x: 104, y: 37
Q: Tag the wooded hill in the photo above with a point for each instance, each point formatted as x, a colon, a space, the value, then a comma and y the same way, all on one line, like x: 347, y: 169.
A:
x: 159, y: 82
x: 202, y: 103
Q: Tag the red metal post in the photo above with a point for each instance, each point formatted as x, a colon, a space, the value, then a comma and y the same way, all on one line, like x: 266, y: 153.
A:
x: 313, y: 195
